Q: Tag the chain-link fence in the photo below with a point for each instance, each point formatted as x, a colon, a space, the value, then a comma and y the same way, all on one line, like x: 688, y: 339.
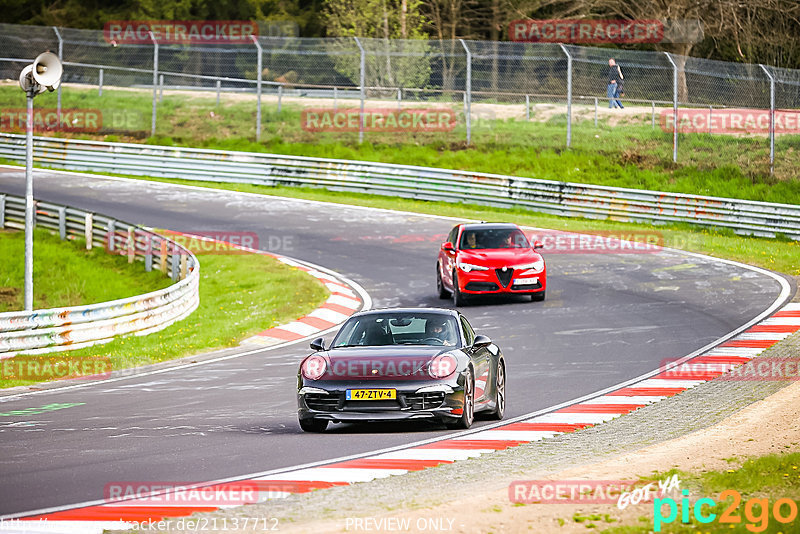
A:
x: 544, y: 95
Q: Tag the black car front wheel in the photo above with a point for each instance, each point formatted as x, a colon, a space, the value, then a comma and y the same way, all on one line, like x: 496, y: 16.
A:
x: 468, y: 412
x: 313, y: 425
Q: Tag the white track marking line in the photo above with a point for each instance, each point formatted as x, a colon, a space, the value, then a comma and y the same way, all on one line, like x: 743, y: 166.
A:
x: 634, y: 399
x: 510, y: 435
x: 432, y: 454
x: 327, y: 314
x: 296, y: 327
x: 335, y: 474
x: 764, y: 336
x: 668, y: 383
x: 574, y: 418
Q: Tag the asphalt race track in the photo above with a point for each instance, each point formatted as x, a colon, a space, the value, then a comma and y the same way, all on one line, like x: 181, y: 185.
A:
x: 607, y: 318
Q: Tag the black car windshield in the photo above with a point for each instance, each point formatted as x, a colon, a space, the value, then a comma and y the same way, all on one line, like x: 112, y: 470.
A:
x: 376, y: 329
x: 492, y: 238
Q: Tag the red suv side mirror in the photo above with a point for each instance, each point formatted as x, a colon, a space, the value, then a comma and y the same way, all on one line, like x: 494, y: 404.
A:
x: 448, y: 247
x: 537, y: 244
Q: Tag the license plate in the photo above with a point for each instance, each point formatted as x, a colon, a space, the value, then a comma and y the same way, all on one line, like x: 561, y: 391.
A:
x: 526, y: 281
x: 371, y: 394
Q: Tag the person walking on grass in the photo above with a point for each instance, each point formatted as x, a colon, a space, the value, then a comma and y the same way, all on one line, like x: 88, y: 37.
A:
x: 614, y: 87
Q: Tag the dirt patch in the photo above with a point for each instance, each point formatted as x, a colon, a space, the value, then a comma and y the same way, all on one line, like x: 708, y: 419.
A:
x: 9, y: 296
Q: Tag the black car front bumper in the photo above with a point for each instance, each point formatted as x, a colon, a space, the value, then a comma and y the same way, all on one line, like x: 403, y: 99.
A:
x: 327, y: 401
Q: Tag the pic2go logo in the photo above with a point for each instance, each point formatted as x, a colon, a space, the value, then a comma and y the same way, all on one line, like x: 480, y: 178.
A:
x: 756, y: 511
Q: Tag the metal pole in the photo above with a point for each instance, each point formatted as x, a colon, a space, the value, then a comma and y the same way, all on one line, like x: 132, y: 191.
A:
x: 219, y: 88
x: 595, y: 112
x: 160, y: 88
x: 60, y: 58
x: 99, y: 83
x: 674, y: 108
x: 569, y: 94
x: 399, y: 98
x: 280, y: 98
x: 710, y: 116
x: 468, y: 91
x: 363, y: 93
x: 258, y: 88
x: 29, y: 202
x: 155, y: 84
x: 653, y: 118
x: 771, y: 119
x: 527, y: 107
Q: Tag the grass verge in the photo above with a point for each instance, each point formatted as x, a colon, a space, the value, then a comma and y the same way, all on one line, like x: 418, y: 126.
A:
x: 760, y: 484
x: 623, y: 151
x: 239, y: 296
x: 65, y: 275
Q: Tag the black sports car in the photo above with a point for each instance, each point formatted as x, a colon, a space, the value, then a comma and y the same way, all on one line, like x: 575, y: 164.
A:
x: 402, y: 364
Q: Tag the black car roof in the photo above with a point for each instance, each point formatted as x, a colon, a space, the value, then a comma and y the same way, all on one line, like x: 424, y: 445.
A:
x: 439, y: 311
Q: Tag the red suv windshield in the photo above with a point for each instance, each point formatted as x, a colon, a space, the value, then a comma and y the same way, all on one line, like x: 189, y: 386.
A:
x: 490, y: 238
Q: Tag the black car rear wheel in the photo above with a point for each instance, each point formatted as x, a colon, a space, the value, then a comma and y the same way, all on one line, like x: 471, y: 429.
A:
x: 443, y: 293
x: 500, y: 392
x: 313, y: 425
x: 468, y: 413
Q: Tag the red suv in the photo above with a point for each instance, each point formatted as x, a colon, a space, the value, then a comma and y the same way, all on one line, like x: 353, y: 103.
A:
x: 489, y: 258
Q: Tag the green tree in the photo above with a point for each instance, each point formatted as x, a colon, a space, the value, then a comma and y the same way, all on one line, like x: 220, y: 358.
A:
x: 396, y: 54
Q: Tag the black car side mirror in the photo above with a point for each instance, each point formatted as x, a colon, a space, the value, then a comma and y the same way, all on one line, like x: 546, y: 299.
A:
x: 481, y: 341
x: 318, y: 344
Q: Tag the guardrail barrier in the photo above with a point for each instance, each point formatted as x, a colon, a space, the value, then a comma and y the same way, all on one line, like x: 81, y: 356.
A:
x: 41, y: 331
x: 560, y: 198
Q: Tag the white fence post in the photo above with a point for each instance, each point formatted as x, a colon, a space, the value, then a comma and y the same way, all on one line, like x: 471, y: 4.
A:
x: 88, y: 233
x: 363, y: 93
x: 62, y: 223
x: 771, y: 119
x: 569, y: 94
x: 468, y: 92
x: 674, y: 108
x: 60, y: 58
x: 258, y: 88
x: 155, y: 84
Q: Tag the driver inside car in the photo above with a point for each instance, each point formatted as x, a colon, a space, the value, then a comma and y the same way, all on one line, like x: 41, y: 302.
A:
x: 437, y: 328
